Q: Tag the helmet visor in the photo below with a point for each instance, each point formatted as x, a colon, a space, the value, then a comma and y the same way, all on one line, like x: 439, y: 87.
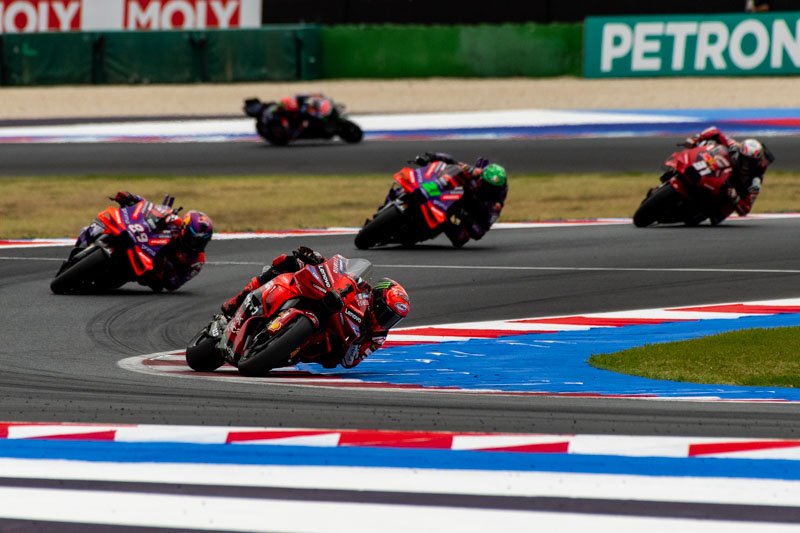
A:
x: 386, y: 318
x: 196, y: 242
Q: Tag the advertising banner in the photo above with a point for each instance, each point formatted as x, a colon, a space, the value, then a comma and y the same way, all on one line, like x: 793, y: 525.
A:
x: 692, y: 45
x: 39, y: 16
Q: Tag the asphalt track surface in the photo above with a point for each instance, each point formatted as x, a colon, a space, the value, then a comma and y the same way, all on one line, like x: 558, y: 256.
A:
x: 623, y: 155
x: 59, y: 353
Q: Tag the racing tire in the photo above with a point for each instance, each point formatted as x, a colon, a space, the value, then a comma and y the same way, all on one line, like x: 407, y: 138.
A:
x: 277, y: 351
x: 81, y: 272
x: 350, y: 132
x: 663, y: 200
x: 202, y: 354
x: 380, y: 229
x: 276, y: 139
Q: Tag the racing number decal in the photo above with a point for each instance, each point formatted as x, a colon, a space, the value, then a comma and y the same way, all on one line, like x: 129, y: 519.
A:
x: 702, y: 168
x: 138, y: 230
x: 431, y: 188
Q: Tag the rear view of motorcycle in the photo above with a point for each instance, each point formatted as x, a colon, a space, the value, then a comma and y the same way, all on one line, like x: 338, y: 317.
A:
x: 120, y: 246
x: 692, y: 189
x: 302, y: 117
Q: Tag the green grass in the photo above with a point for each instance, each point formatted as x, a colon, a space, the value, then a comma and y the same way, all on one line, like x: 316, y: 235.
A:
x: 60, y: 206
x: 755, y: 357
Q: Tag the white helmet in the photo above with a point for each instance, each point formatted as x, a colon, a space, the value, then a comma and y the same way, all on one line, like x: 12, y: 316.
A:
x: 750, y: 155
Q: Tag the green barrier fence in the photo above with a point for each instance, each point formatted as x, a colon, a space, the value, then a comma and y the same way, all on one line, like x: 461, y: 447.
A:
x: 274, y: 54
x: 465, y: 51
x: 285, y: 53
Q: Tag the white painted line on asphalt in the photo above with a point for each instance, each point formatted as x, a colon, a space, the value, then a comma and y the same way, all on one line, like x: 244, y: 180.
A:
x: 518, y: 483
x: 496, y: 267
x: 249, y: 514
x: 602, y: 269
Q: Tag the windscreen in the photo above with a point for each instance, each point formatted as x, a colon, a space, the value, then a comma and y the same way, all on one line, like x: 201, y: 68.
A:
x: 358, y: 268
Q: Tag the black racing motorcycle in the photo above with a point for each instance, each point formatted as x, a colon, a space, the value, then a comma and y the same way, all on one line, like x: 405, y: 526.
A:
x: 320, y: 118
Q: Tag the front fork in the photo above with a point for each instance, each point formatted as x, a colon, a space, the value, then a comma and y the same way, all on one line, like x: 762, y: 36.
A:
x: 230, y: 340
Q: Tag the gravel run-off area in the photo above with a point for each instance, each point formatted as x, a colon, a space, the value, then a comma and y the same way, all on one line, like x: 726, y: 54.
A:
x: 408, y: 95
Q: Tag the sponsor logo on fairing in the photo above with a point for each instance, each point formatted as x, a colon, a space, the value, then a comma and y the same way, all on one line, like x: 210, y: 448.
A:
x: 320, y: 289
x: 352, y: 315
x: 314, y: 273
x: 324, y: 274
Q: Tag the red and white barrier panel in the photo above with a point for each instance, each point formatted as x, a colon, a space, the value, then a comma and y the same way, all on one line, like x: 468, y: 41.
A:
x: 632, y: 446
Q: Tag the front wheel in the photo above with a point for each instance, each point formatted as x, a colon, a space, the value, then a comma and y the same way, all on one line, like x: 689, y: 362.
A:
x: 203, y: 355
x: 277, y: 350
x: 349, y: 131
x: 87, y: 267
x: 381, y: 228
x: 659, y: 203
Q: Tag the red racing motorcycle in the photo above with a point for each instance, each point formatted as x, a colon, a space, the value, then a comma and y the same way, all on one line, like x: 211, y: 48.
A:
x: 296, y: 317
x: 693, y: 189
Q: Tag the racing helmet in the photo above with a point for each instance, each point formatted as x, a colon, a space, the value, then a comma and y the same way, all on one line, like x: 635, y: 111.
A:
x: 494, y: 175
x: 390, y: 304
x: 749, y: 156
x: 196, y: 231
x: 288, y: 103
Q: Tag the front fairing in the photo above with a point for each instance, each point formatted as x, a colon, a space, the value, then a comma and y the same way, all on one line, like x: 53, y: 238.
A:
x: 349, y: 277
x: 701, y: 171
x: 434, y: 188
x: 146, y: 225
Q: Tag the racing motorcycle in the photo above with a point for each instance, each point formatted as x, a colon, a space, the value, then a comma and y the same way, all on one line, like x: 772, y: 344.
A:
x: 119, y: 247
x: 419, y: 206
x: 693, y: 188
x: 279, y: 127
x: 295, y: 317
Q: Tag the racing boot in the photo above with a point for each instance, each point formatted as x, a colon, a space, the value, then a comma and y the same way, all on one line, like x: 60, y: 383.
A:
x: 280, y: 265
x: 229, y: 308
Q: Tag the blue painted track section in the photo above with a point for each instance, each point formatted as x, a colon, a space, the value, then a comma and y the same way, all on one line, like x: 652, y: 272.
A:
x: 121, y: 452
x: 556, y: 363
x: 783, y: 121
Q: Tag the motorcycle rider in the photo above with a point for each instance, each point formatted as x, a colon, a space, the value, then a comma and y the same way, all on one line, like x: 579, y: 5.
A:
x: 389, y: 305
x: 177, y: 262
x: 749, y: 161
x: 485, y: 190
x: 301, y: 111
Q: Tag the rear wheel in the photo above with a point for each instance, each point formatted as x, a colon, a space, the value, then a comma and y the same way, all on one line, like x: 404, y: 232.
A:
x: 349, y: 131
x: 661, y: 202
x: 277, y: 137
x: 202, y: 354
x: 87, y: 268
x: 381, y: 228
x: 277, y: 349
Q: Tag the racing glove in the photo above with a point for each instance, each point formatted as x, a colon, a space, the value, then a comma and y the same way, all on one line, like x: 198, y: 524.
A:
x: 430, y: 157
x: 308, y: 256
x: 125, y: 199
x: 481, y: 163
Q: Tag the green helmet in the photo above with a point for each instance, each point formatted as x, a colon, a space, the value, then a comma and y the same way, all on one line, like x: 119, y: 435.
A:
x: 494, y: 175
